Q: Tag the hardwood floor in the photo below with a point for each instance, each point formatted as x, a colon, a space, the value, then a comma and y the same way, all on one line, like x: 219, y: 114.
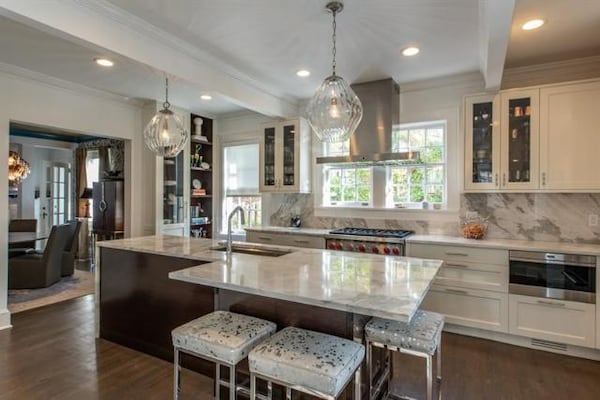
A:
x: 51, y: 353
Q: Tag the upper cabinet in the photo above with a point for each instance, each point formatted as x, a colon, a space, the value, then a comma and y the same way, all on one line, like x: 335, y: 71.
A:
x: 537, y: 139
x: 285, y: 157
x: 519, y: 127
x: 570, y: 142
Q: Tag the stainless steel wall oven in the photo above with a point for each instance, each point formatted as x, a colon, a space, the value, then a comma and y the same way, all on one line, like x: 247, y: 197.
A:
x: 553, y: 275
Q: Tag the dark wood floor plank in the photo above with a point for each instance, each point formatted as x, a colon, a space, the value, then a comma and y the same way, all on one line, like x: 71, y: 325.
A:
x: 51, y: 353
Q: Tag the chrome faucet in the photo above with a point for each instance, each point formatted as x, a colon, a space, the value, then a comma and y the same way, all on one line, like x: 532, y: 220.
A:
x: 242, y: 221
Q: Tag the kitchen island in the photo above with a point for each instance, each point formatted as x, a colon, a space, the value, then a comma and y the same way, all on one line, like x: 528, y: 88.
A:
x: 147, y: 286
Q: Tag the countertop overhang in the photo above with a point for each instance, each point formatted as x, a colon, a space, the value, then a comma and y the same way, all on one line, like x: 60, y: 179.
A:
x: 373, y: 285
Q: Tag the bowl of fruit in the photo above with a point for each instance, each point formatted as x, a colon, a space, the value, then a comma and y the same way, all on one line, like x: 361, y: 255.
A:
x: 474, y: 229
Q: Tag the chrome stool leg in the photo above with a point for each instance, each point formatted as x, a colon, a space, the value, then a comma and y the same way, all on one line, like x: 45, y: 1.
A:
x: 232, y: 385
x: 176, y: 375
x: 217, y: 381
x: 252, y: 387
x: 439, y: 360
x: 288, y: 393
x: 429, y: 378
x: 270, y: 390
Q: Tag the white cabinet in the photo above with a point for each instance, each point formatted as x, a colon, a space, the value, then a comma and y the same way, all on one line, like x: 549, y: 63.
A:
x: 554, y: 320
x: 471, y: 287
x: 285, y: 165
x: 295, y: 240
x: 472, y: 308
x: 502, y: 141
x: 519, y: 126
x: 570, y: 138
x: 482, y: 138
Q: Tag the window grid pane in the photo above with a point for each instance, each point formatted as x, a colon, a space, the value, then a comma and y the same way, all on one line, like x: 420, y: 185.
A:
x: 348, y: 186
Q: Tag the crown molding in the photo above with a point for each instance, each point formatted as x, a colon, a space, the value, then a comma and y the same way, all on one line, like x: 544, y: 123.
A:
x: 56, y: 83
x: 473, y: 78
x: 559, y: 71
x: 104, y: 8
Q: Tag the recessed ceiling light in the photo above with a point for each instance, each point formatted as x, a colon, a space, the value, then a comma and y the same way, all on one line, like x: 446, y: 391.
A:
x: 410, y: 51
x: 206, y: 97
x: 105, y: 62
x: 303, y: 73
x: 533, y: 24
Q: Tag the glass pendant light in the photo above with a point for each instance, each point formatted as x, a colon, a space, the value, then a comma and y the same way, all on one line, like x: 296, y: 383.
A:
x: 165, y: 134
x: 334, y: 111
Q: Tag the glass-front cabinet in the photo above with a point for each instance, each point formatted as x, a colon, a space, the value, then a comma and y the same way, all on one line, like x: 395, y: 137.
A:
x: 520, y: 140
x: 502, y: 141
x: 482, y: 152
x: 285, y: 157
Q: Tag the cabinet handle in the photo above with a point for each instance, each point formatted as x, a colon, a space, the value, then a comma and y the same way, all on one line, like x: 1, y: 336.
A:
x: 551, y: 303
x: 300, y: 241
x: 543, y: 179
x: 265, y: 238
x: 457, y: 291
x: 503, y: 179
x: 457, y: 266
x: 496, y: 180
x: 449, y: 253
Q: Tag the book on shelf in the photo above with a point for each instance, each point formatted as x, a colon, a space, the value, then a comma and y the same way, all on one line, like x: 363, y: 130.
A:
x: 199, y: 192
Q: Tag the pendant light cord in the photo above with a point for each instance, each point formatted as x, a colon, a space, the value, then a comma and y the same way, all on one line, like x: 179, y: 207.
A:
x: 333, y: 38
x: 166, y: 104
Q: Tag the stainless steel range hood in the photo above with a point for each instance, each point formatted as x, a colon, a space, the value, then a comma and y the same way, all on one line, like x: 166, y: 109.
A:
x: 371, y: 143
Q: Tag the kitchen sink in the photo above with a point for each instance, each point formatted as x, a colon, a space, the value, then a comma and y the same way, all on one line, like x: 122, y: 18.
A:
x: 255, y: 251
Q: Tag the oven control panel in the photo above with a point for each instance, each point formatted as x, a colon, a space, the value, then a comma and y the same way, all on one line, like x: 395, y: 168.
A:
x: 361, y: 246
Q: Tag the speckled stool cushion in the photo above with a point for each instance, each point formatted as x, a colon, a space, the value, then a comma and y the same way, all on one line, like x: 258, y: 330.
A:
x: 222, y: 335
x: 312, y: 360
x: 422, y: 334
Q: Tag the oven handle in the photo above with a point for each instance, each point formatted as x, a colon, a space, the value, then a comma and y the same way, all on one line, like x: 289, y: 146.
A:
x: 553, y: 262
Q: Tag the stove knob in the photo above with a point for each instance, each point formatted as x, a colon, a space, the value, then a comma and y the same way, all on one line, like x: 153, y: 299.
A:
x: 361, y: 248
x: 339, y: 246
x: 374, y: 249
x: 396, y: 251
x: 331, y: 246
x: 386, y: 250
x: 350, y: 247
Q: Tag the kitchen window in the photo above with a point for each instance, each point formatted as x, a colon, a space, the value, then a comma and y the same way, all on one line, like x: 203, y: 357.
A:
x: 240, y: 185
x: 417, y: 184
x: 412, y: 185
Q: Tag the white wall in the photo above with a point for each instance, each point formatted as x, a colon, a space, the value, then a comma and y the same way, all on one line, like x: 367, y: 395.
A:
x: 69, y: 107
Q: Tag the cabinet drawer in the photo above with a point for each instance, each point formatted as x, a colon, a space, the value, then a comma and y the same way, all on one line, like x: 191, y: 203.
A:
x: 474, y: 276
x: 459, y: 253
x: 472, y: 308
x: 265, y: 238
x: 314, y: 242
x: 285, y: 239
x: 555, y: 320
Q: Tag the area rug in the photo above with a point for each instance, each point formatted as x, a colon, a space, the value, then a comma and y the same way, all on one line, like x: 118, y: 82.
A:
x: 81, y: 283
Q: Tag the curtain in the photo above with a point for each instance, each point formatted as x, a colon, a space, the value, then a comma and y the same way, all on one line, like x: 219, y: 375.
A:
x: 103, y: 160
x: 80, y: 179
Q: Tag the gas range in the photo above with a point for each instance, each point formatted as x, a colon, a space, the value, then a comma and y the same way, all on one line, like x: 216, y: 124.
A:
x: 366, y: 240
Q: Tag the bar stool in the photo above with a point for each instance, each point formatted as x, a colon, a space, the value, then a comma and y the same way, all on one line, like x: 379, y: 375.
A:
x: 421, y: 337
x: 305, y: 361
x: 222, y: 337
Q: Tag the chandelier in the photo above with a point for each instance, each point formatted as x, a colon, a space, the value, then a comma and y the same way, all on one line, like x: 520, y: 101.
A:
x: 334, y: 111
x: 165, y: 134
x: 18, y: 169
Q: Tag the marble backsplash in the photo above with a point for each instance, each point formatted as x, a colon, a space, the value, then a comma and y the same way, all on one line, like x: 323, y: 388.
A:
x: 527, y: 216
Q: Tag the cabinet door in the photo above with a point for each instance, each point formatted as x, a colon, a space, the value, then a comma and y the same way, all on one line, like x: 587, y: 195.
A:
x: 267, y: 155
x: 482, y: 143
x: 290, y: 157
x: 520, y: 140
x: 559, y: 321
x: 472, y: 308
x: 570, y: 137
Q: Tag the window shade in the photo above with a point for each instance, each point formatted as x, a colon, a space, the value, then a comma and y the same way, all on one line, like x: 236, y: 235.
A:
x: 240, y: 166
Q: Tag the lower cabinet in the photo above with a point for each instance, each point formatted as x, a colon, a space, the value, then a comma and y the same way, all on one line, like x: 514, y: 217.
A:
x: 554, y: 320
x: 473, y: 308
x: 286, y: 239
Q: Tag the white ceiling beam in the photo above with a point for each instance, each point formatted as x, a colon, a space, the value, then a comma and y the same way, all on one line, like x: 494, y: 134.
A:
x: 495, y: 21
x: 101, y: 24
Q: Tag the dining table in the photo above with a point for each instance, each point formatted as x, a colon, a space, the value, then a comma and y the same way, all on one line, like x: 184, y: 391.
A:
x: 24, y: 237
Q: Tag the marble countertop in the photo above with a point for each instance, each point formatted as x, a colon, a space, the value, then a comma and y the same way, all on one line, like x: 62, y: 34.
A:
x: 290, y: 230
x: 375, y: 285
x: 509, y: 244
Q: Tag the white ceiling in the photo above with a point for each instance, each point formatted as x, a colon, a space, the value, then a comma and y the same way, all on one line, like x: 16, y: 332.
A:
x: 246, y: 53
x: 572, y: 31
